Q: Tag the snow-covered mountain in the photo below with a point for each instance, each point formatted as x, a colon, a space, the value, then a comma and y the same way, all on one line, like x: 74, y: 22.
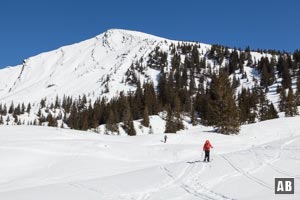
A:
x: 81, y: 68
x: 36, y: 161
x: 93, y: 67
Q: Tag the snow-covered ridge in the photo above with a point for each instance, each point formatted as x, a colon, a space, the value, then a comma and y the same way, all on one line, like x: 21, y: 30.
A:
x: 78, y: 68
x: 90, y: 67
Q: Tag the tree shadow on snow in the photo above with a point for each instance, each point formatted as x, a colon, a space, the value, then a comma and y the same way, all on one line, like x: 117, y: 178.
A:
x: 193, y: 162
x: 212, y: 131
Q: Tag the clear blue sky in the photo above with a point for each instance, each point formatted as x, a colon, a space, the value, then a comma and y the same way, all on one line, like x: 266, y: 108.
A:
x: 29, y: 27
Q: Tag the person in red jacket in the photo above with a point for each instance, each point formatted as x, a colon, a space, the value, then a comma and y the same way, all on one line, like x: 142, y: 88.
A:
x: 206, y: 149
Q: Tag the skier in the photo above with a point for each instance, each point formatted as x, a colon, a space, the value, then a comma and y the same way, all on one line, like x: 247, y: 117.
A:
x: 165, y: 138
x: 206, y: 149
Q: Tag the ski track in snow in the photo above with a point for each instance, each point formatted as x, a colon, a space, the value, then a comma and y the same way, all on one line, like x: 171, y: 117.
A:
x: 248, y: 175
x: 35, y: 161
x: 202, y: 192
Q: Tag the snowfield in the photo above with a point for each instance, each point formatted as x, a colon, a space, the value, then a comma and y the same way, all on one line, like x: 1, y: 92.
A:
x: 87, y: 67
x: 51, y: 163
x: 95, y: 67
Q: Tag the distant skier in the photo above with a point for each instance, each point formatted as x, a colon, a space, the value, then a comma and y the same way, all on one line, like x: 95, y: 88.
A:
x: 206, y: 149
x: 165, y: 138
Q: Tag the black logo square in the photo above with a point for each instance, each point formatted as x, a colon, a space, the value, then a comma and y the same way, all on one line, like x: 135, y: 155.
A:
x: 284, y: 186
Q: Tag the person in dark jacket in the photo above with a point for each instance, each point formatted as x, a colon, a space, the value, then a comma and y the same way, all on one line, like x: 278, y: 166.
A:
x: 165, y: 138
x: 206, y: 149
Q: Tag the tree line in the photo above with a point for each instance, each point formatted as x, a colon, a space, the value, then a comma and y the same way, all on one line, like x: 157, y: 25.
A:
x: 189, y: 87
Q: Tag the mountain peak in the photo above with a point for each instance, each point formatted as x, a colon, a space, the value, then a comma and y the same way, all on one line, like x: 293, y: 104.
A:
x: 89, y: 67
x: 124, y: 33
x: 98, y: 67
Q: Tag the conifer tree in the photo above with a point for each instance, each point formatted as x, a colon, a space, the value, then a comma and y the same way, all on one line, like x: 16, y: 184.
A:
x: 184, y: 100
x: 177, y: 113
x: 203, y: 108
x: 175, y: 62
x: 272, y: 113
x: 51, y: 120
x: 244, y: 106
x: 161, y: 88
x: 128, y: 120
x: 233, y: 62
x: 111, y: 124
x: 173, y: 120
x: 28, y: 108
x: 137, y: 102
x: 223, y: 105
x: 73, y: 118
x: 36, y: 122
x: 178, y: 79
x: 282, y: 99
x: 192, y: 84
x: 145, y: 120
x: 43, y: 103
x: 195, y: 55
x: 4, y: 110
x: 170, y: 124
x: 7, y: 120
x: 11, y: 108
x: 23, y: 108
x: 130, y: 128
x: 93, y: 120
x: 184, y: 77
x: 17, y: 110
x: 150, y: 98
x: 264, y: 77
x: 193, y: 117
x: 283, y: 72
x: 39, y: 113
x: 271, y: 71
x: 267, y: 110
x: 263, y: 106
x: 57, y: 104
x: 290, y: 106
x: 83, y: 120
x: 286, y: 78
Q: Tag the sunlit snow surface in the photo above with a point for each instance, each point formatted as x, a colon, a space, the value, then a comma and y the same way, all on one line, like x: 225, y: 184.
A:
x: 91, y: 66
x: 49, y: 163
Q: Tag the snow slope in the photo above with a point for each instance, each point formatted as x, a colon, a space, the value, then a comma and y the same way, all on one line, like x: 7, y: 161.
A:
x: 78, y: 69
x: 50, y: 163
x: 89, y: 67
